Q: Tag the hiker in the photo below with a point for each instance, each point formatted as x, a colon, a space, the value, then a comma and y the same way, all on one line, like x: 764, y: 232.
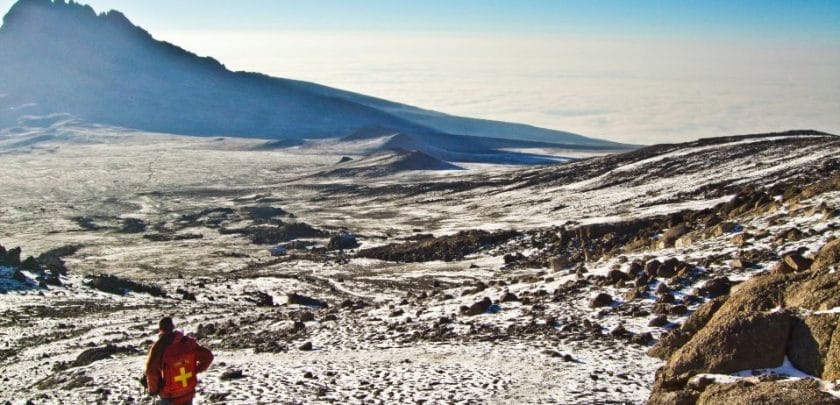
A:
x: 173, y: 363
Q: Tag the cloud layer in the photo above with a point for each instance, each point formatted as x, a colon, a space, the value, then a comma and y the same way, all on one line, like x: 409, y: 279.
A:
x: 628, y: 90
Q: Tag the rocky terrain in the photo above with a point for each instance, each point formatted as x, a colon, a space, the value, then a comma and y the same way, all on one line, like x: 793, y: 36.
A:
x: 694, y: 273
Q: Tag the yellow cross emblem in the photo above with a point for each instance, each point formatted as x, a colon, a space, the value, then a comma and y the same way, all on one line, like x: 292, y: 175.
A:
x: 184, y: 377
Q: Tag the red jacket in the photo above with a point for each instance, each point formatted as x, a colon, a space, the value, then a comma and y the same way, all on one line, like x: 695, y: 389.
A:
x: 171, y: 381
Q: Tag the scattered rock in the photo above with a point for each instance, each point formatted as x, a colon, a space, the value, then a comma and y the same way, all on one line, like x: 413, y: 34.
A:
x: 297, y: 299
x: 801, y: 392
x: 558, y: 263
x: 715, y: 288
x: 615, y: 276
x: 666, y: 298
x: 782, y: 268
x: 116, y: 285
x: 306, y: 347
x: 652, y: 267
x: 233, y: 374
x: 342, y: 241
x: 479, y: 307
x: 642, y: 339
x: 796, y: 262
x: 658, y: 321
x: 101, y: 353
x: 635, y: 268
x: 261, y: 299
x: 601, y: 300
x: 509, y: 297
x: 445, y: 248
x: 678, y: 310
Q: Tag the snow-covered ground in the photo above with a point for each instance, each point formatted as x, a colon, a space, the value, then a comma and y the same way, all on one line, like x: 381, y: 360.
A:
x: 393, y: 332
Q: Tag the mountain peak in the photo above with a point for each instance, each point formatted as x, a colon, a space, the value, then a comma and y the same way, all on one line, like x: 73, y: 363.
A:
x: 26, y: 12
x: 67, y: 59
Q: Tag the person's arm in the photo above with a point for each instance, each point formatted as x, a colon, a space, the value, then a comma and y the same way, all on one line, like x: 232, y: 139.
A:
x: 153, y: 373
x: 203, y: 358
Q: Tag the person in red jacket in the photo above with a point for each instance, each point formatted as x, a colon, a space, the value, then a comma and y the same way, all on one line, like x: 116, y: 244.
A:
x: 173, y: 364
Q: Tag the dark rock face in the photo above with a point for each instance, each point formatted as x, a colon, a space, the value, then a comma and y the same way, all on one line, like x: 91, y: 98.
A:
x: 446, y: 248
x: 297, y: 299
x: 810, y: 341
x: 11, y: 257
x: 343, y: 240
x: 269, y: 235
x: 133, y: 225
x: 116, y: 285
x: 101, y: 353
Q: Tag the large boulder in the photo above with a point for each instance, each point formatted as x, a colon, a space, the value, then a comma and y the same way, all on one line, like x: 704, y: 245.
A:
x: 479, y: 307
x: 601, y: 300
x: 11, y: 258
x: 670, y: 236
x: 758, y: 294
x: 700, y: 317
x: 616, y: 276
x: 800, y: 392
x: 797, y: 262
x: 343, y: 240
x: 831, y: 371
x: 715, y: 288
x: 730, y: 344
x: 828, y: 255
x: 810, y: 341
x: 298, y: 299
x: 819, y: 292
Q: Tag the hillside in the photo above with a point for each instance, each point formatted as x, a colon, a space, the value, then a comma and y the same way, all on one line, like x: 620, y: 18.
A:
x: 596, y: 273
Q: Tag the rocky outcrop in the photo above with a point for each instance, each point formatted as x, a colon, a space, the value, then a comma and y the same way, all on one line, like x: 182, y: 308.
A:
x: 764, y: 320
x: 828, y: 256
x: 800, y: 392
x: 810, y: 341
x: 298, y: 299
x: 343, y: 240
x: 733, y: 344
x: 120, y: 286
x: 446, y: 248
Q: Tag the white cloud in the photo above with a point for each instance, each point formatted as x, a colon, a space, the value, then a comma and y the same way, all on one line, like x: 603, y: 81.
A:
x: 626, y: 90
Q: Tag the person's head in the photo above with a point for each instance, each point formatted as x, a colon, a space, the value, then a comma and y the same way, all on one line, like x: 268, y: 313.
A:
x: 166, y: 325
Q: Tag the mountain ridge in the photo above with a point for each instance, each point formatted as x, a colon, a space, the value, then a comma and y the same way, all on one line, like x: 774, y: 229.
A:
x: 102, y: 68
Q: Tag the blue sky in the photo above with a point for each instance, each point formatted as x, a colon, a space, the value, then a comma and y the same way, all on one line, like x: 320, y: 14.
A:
x: 631, y: 71
x: 768, y: 19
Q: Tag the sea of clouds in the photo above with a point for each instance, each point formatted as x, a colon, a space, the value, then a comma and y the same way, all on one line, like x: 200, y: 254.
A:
x: 635, y: 90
